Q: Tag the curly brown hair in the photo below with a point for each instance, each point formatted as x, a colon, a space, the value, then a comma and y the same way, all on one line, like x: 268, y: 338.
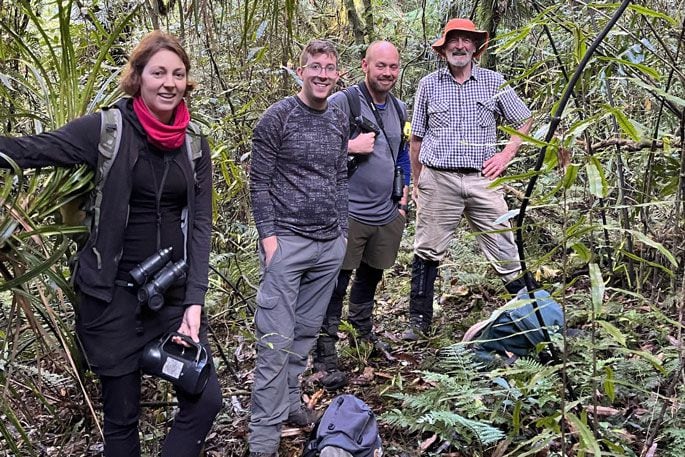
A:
x: 151, y: 43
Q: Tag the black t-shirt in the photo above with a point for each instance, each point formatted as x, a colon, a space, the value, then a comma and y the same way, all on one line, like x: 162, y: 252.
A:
x: 154, y: 171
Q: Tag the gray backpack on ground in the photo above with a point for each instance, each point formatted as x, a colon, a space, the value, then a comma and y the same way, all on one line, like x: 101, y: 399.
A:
x: 348, y: 428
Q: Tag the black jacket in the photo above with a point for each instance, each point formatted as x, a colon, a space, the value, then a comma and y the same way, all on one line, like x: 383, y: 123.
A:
x: 77, y: 143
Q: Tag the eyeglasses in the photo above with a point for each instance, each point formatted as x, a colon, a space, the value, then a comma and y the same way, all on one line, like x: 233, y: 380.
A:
x: 464, y: 39
x: 317, y: 68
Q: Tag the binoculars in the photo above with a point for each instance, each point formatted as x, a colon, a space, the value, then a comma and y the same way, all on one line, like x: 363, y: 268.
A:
x: 155, y: 275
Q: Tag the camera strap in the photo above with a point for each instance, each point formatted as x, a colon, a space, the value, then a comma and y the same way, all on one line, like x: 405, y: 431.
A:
x: 158, y: 197
x: 374, y: 109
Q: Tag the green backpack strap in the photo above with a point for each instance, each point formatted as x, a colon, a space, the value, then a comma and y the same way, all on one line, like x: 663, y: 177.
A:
x: 193, y: 145
x: 108, y: 148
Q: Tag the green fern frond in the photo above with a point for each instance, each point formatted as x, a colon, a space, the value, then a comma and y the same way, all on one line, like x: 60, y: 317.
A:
x: 466, y: 428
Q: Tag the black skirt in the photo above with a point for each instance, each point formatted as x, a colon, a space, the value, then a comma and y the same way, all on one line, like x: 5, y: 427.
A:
x: 114, y: 334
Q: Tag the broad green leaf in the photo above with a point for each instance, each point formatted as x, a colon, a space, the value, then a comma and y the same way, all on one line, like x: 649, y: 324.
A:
x: 512, y: 39
x: 645, y: 69
x: 579, y: 44
x: 597, y: 287
x: 582, y: 251
x: 609, y: 384
x: 587, y: 439
x: 656, y: 245
x: 643, y: 10
x: 624, y: 123
x: 679, y: 102
x: 580, y: 228
x: 613, y: 331
x: 595, y: 176
x: 570, y: 176
x: 641, y: 237
x: 577, y: 128
x: 526, y: 138
x: 648, y: 357
x: 516, y: 417
x: 637, y: 258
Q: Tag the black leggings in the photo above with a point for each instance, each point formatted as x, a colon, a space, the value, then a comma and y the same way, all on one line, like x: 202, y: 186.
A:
x: 121, y: 405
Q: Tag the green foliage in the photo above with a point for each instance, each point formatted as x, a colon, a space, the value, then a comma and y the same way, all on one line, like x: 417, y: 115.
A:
x: 56, y: 68
x: 448, y: 408
x: 675, y: 437
x: 604, y: 227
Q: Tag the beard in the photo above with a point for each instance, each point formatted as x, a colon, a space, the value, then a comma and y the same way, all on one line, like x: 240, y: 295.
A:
x: 380, y: 86
x: 459, y: 60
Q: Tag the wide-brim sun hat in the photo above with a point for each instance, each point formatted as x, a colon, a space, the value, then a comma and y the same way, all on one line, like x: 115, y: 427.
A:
x: 463, y: 25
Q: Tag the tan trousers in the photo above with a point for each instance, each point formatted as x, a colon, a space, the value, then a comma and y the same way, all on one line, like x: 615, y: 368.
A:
x: 442, y: 199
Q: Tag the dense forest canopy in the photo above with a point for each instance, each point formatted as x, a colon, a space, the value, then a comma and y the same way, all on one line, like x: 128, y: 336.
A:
x: 604, y: 228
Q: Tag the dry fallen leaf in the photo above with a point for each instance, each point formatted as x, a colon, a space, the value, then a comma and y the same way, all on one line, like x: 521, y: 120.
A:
x: 427, y: 443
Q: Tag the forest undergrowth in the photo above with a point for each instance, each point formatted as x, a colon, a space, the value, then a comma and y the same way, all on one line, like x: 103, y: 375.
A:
x: 604, y: 232
x: 432, y: 396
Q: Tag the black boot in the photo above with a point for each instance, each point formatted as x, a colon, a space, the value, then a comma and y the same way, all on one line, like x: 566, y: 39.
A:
x: 515, y: 286
x: 325, y: 354
x: 362, y: 294
x: 423, y: 274
x: 326, y: 360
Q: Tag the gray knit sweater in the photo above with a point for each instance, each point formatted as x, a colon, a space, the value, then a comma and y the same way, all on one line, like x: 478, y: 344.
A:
x: 298, y: 176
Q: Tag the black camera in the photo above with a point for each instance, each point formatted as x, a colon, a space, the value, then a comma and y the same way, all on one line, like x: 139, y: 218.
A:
x: 353, y: 162
x: 151, y: 288
x: 366, y: 126
x: 187, y: 368
x: 398, y: 184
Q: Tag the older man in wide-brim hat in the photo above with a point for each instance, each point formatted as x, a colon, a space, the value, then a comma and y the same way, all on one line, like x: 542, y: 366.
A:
x: 465, y: 28
x: 454, y: 158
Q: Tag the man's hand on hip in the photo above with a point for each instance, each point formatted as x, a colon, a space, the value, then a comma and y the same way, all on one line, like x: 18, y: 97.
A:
x: 495, y: 165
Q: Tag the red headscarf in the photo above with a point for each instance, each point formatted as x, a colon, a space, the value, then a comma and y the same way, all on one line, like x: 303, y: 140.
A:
x: 162, y: 135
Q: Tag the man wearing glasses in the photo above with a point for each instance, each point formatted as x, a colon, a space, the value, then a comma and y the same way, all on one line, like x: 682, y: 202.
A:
x: 298, y: 185
x: 454, y: 158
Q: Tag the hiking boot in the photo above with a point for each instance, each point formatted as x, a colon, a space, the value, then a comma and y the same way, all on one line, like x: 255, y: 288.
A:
x: 302, y: 417
x: 417, y: 331
x: 334, y: 379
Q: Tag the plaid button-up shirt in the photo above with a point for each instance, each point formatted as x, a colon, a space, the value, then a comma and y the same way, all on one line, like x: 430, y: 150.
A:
x: 458, y: 122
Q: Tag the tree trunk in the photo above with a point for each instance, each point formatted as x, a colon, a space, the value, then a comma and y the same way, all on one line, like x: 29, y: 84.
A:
x: 491, y: 13
x: 153, y: 10
x: 369, y: 30
x: 355, y: 22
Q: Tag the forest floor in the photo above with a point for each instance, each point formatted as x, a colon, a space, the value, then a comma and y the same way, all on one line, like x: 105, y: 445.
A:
x: 62, y: 421
x: 372, y: 376
x: 633, y: 388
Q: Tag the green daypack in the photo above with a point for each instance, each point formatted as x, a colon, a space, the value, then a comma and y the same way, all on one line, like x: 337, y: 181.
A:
x: 514, y: 330
x: 86, y: 210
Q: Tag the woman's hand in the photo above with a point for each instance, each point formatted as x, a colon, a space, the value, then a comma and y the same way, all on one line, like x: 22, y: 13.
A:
x: 190, y: 325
